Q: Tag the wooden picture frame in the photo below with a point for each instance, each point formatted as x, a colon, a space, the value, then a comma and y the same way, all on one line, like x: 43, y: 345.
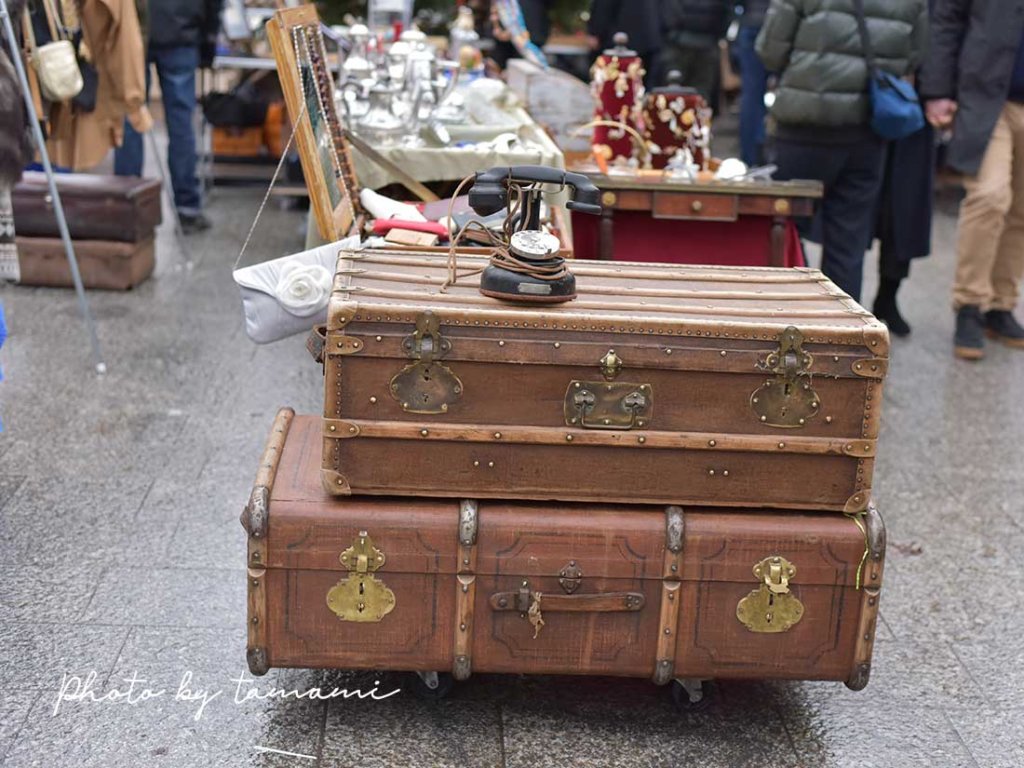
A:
x: 308, y: 88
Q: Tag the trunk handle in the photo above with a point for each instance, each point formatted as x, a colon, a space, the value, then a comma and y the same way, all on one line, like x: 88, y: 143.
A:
x: 603, y: 602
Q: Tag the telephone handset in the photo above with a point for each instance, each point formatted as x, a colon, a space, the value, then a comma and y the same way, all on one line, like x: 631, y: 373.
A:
x: 528, y: 268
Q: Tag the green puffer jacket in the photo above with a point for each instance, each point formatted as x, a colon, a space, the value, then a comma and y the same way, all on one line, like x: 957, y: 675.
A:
x: 815, y: 47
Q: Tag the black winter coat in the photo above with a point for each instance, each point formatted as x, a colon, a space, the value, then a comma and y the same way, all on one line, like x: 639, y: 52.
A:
x: 970, y: 59
x: 754, y: 12
x: 637, y: 18
x: 183, y: 22
x: 14, y: 147
x: 695, y: 22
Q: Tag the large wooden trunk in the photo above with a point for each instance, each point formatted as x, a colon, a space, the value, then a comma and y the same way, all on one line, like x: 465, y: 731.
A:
x: 664, y: 384
x: 494, y: 586
x: 117, y: 208
x: 105, y: 264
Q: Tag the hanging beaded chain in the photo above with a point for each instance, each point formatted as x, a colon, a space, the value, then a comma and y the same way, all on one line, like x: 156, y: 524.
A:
x: 326, y: 83
x: 323, y: 88
x: 300, y: 34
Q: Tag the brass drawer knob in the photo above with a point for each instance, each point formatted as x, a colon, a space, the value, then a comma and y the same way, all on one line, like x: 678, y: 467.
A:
x: 697, y: 206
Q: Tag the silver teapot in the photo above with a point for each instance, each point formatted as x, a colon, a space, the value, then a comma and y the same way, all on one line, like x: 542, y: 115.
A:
x: 357, y: 65
x: 382, y: 122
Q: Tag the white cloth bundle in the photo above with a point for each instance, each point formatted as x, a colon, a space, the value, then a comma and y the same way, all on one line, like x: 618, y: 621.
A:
x: 381, y: 207
x: 289, y: 295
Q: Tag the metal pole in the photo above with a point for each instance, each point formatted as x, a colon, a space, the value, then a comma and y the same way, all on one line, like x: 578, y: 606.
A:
x: 58, y: 208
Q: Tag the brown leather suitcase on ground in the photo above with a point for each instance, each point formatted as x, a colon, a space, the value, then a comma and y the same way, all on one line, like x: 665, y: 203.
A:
x: 106, y: 264
x: 661, y: 383
x: 457, y: 587
x: 121, y: 208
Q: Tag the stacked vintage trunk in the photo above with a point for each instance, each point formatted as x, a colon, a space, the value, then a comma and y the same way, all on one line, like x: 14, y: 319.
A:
x: 112, y: 220
x: 669, y: 477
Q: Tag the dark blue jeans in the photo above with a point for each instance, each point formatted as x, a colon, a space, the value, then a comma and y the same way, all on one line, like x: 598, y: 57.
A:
x: 852, y: 175
x: 752, y: 110
x: 176, y: 68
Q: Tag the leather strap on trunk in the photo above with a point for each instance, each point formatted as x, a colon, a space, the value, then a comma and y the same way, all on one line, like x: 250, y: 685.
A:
x: 316, y: 341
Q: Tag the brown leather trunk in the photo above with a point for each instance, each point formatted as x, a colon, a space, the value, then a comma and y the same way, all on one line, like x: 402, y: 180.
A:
x: 120, y: 208
x: 105, y: 264
x: 494, y: 586
x: 661, y: 384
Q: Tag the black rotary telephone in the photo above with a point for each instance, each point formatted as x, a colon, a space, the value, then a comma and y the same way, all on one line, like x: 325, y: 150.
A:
x: 528, y: 268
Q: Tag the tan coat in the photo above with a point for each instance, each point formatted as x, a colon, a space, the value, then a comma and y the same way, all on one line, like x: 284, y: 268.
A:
x: 110, y: 29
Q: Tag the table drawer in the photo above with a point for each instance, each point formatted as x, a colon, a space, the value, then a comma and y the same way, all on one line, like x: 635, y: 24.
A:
x: 683, y: 205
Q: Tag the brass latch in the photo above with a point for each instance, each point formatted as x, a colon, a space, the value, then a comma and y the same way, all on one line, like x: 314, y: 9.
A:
x: 601, y: 405
x: 771, y: 607
x: 611, y: 365
x: 426, y: 385
x: 361, y: 596
x: 787, y: 400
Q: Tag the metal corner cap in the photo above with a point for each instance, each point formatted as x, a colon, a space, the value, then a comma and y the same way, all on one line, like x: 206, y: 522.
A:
x: 858, y: 681
x: 876, y: 532
x: 256, y: 515
x: 675, y: 528
x: 256, y: 658
x: 468, y: 522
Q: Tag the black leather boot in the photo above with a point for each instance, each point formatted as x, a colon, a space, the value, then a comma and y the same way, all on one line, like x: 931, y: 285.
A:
x: 1003, y: 326
x: 887, y: 311
x: 969, y: 341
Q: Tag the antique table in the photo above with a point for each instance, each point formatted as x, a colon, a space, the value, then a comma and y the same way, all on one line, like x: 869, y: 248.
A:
x: 652, y: 218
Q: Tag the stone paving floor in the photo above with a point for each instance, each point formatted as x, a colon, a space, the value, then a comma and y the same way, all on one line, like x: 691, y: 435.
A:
x: 120, y: 553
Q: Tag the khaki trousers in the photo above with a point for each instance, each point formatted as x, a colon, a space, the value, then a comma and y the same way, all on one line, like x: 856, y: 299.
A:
x: 990, y: 246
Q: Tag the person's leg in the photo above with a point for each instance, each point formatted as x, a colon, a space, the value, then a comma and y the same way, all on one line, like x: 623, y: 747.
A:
x: 816, y: 162
x: 892, y: 271
x: 891, y: 268
x: 1008, y: 268
x: 671, y: 58
x: 693, y: 64
x: 706, y: 68
x: 176, y: 68
x: 983, y: 215
x: 130, y: 157
x: 980, y: 228
x: 848, y: 210
x: 754, y: 79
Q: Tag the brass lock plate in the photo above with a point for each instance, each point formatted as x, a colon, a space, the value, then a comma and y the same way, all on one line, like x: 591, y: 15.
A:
x: 361, y: 596
x: 771, y: 608
x: 608, y: 405
x: 426, y: 385
x: 787, y: 399
x: 428, y: 388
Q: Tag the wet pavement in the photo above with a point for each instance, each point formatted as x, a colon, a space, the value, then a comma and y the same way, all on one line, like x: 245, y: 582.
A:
x: 121, y: 554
